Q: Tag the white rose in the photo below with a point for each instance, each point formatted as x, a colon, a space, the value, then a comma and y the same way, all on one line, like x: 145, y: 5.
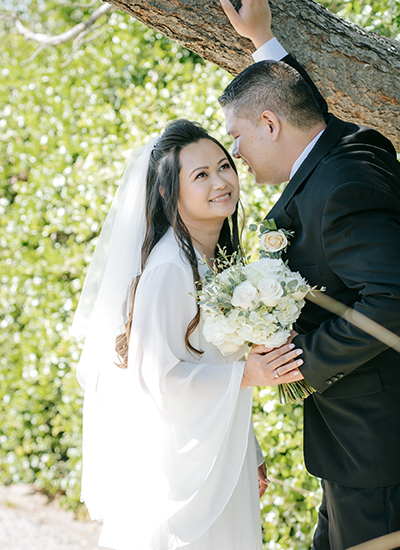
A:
x: 297, y: 286
x: 229, y: 347
x: 300, y: 294
x: 243, y: 295
x: 274, y: 265
x: 273, y: 241
x: 277, y: 339
x: 270, y: 291
x: 301, y: 284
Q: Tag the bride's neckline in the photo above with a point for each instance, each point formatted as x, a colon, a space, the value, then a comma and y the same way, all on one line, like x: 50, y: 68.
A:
x: 202, y: 263
x: 201, y: 257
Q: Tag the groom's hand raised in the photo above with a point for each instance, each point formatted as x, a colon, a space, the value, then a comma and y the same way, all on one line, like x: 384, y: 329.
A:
x: 271, y: 367
x: 253, y: 20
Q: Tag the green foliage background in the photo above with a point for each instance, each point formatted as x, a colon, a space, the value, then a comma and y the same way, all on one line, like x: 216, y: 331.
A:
x: 65, y: 135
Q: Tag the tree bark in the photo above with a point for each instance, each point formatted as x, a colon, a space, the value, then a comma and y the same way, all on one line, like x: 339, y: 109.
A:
x: 357, y: 71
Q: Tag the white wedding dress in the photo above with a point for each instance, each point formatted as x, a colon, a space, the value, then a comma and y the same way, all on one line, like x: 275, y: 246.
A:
x: 172, y: 462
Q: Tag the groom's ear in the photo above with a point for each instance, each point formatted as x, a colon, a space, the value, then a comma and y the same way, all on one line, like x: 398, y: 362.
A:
x: 272, y: 124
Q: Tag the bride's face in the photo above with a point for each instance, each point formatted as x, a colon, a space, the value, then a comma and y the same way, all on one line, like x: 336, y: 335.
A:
x: 208, y: 185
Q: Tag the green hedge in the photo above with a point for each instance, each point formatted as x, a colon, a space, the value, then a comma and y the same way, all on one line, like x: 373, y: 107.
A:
x: 65, y: 134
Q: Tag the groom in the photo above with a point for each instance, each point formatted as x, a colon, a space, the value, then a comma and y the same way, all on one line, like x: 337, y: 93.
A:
x: 343, y: 204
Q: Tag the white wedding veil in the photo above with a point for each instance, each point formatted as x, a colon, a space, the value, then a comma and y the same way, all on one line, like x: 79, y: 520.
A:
x: 104, y: 303
x: 101, y: 315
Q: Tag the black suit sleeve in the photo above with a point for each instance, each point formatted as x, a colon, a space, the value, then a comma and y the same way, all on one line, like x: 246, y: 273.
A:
x: 320, y: 100
x: 361, y: 236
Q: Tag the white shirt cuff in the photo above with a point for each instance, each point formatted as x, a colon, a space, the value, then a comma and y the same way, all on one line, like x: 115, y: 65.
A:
x: 271, y: 50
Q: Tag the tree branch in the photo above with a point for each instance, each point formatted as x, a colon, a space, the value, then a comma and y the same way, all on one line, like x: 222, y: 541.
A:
x: 86, y: 6
x: 80, y: 40
x: 74, y: 32
x: 40, y: 48
x: 7, y: 16
x: 357, y: 71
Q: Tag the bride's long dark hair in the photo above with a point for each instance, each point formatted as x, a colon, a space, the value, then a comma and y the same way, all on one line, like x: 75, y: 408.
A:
x: 162, y: 213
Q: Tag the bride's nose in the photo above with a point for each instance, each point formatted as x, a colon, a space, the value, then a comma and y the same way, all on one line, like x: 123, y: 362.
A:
x: 218, y: 182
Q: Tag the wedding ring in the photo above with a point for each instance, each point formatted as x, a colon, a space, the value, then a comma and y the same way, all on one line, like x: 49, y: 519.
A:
x: 276, y: 374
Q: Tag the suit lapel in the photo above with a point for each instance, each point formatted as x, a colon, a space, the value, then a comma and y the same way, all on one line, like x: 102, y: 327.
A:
x: 326, y: 142
x: 280, y: 216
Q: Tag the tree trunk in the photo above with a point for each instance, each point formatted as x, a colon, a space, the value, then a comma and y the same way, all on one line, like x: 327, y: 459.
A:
x: 357, y: 71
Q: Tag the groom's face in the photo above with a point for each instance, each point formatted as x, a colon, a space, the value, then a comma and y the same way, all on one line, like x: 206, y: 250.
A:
x: 253, y: 144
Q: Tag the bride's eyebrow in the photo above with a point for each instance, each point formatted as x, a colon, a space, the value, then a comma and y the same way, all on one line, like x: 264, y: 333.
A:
x: 199, y: 168
x: 207, y: 167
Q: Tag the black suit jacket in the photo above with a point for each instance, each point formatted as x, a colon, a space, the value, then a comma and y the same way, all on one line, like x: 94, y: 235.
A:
x: 343, y: 205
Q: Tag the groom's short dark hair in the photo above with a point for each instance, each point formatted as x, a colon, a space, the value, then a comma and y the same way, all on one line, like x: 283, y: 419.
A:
x: 272, y: 86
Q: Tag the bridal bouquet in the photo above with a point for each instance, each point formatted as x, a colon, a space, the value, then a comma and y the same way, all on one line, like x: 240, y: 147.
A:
x: 254, y: 303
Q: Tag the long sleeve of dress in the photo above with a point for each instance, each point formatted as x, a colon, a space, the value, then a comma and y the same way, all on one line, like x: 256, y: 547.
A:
x: 189, y: 424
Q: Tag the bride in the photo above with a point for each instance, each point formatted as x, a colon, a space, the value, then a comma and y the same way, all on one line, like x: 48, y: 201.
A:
x: 169, y: 454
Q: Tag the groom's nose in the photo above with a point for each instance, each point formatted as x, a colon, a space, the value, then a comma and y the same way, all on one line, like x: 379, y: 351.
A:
x: 235, y: 151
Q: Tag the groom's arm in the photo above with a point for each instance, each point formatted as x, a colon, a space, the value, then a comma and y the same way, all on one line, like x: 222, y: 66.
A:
x: 361, y: 236
x: 254, y: 22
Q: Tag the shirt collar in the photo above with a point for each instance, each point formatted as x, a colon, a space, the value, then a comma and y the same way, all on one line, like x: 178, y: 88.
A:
x: 299, y: 161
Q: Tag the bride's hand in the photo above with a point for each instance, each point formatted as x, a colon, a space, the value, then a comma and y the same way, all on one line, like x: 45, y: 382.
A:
x: 271, y: 367
x: 263, y: 481
x: 252, y: 21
